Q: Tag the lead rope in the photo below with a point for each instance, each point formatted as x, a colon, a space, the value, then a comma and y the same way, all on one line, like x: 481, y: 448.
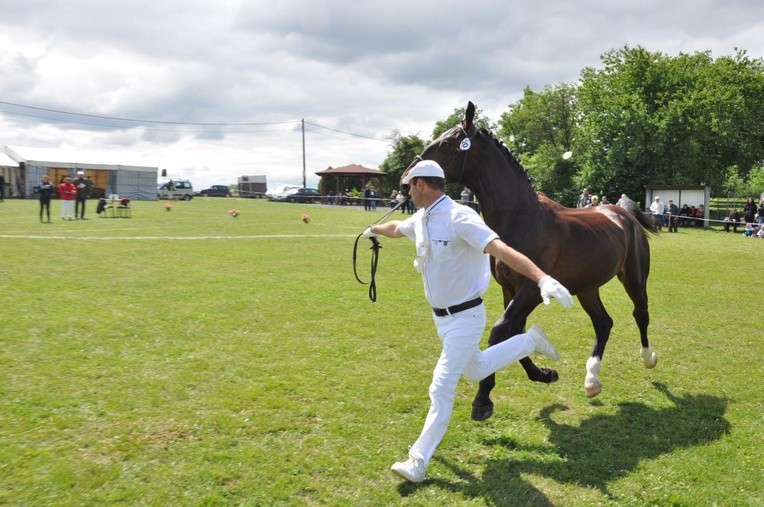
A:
x: 375, y: 246
x: 372, y: 283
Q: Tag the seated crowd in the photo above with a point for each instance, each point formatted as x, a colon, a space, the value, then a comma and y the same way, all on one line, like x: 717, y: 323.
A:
x: 690, y: 215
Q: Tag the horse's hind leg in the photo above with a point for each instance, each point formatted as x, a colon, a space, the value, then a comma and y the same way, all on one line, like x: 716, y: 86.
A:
x: 603, y: 323
x: 635, y: 283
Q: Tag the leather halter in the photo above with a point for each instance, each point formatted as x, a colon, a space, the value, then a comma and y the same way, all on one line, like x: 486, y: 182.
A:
x: 461, y: 148
x: 464, y: 146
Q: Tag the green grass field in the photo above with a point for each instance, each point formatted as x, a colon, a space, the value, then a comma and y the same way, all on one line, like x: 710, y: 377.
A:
x: 192, y: 358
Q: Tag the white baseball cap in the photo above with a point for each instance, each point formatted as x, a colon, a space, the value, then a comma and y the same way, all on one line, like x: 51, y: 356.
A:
x: 424, y: 168
x: 80, y: 172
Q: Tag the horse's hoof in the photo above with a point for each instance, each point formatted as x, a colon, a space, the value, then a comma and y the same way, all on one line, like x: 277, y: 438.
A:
x: 651, y: 361
x: 482, y: 412
x: 593, y: 391
x: 548, y: 375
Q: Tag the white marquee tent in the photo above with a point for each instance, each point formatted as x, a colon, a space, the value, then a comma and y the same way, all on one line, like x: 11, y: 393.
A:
x: 135, y: 182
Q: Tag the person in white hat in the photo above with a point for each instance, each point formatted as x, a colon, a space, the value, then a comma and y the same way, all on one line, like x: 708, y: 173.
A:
x: 452, y: 247
x: 83, y: 192
x: 657, y: 208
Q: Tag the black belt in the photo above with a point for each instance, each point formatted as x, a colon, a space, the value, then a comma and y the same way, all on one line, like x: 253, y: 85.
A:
x: 472, y: 303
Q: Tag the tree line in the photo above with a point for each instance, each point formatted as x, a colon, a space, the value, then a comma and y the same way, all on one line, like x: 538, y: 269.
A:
x: 643, y: 118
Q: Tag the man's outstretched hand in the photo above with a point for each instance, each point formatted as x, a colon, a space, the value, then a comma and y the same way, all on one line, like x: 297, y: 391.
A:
x: 551, y: 288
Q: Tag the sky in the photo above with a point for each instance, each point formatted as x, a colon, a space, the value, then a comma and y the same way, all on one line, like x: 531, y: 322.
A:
x: 211, y: 91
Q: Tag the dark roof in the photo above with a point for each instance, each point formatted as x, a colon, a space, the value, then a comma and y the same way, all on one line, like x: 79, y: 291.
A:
x: 352, y: 169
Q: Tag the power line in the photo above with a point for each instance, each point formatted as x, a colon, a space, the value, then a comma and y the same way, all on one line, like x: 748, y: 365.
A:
x: 150, y: 129
x: 345, y: 132
x: 163, y: 122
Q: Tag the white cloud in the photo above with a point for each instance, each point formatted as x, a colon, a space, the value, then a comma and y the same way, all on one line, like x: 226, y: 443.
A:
x: 368, y: 68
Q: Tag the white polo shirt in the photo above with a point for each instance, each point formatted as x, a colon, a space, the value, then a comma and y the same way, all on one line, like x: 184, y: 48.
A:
x: 454, y: 264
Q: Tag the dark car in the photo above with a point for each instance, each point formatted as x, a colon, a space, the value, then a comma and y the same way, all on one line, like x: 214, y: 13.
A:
x: 215, y: 191
x: 299, y: 195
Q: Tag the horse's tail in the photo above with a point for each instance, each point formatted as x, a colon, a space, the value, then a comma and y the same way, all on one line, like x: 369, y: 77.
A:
x: 644, y: 219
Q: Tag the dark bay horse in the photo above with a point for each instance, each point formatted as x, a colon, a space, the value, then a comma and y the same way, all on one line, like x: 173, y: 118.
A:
x: 586, y: 249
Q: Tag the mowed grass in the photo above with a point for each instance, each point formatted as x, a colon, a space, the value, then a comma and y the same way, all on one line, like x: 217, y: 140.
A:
x: 192, y: 358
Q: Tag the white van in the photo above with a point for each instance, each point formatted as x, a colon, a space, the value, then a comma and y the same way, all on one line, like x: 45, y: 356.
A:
x: 175, y: 189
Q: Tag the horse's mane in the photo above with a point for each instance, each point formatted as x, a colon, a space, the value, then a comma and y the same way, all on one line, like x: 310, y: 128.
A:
x: 513, y: 162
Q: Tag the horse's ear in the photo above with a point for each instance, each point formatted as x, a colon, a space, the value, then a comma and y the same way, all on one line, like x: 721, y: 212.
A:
x: 469, y: 115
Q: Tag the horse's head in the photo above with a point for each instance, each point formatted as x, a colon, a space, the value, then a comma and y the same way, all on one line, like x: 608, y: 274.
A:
x: 451, y: 150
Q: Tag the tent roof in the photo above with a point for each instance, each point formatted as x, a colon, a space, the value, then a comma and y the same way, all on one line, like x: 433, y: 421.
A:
x: 47, y: 158
x: 7, y: 161
x: 351, y: 170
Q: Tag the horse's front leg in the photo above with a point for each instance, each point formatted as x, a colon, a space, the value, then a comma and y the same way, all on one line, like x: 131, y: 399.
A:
x: 511, y: 323
x: 482, y: 406
x: 536, y: 374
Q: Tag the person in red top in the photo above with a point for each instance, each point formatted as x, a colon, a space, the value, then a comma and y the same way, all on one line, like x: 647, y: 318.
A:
x: 67, y: 191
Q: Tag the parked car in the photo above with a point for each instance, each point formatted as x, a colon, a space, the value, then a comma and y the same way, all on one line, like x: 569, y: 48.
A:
x: 309, y: 195
x: 281, y: 189
x: 215, y: 191
x: 181, y: 189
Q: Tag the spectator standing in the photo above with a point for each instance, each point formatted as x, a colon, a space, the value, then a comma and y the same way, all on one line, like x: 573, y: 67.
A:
x: 585, y: 199
x: 373, y: 198
x: 466, y: 196
x: 367, y: 198
x: 673, y: 216
x: 761, y: 212
x: 410, y: 207
x: 749, y: 211
x: 45, y: 190
x: 623, y: 201
x: 399, y: 198
x: 2, y: 187
x: 657, y: 209
x: 595, y: 201
x: 604, y: 201
x: 67, y: 192
x: 393, y: 199
x: 83, y: 192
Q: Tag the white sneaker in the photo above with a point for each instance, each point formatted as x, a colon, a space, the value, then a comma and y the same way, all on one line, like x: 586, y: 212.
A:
x: 412, y: 469
x: 543, y: 345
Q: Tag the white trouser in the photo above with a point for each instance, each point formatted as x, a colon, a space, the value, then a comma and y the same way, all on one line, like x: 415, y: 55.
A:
x: 67, y: 208
x: 461, y: 355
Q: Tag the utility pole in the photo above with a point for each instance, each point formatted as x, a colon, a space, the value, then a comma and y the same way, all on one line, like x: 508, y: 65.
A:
x: 303, y: 153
